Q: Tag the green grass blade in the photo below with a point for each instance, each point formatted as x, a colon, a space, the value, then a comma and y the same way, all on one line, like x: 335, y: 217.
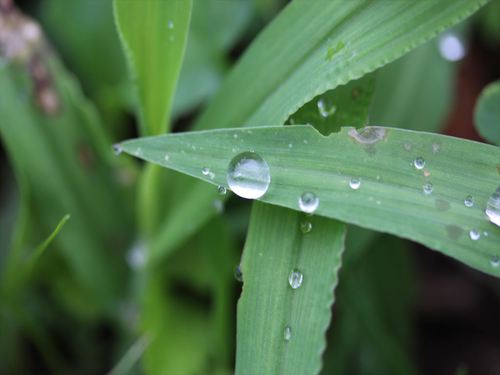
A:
x: 312, y: 47
x: 487, y: 113
x: 391, y: 197
x: 153, y: 34
x: 275, y: 246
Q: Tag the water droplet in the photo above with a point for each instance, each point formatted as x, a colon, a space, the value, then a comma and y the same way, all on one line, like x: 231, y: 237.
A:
x: 290, y: 145
x: 295, y: 279
x: 436, y: 147
x: 468, y: 201
x: 238, y: 274
x: 221, y: 190
x: 167, y: 157
x: 248, y: 175
x: 117, y: 149
x: 493, y: 207
x: 306, y: 226
x: 308, y: 202
x: 474, y: 234
x: 170, y: 24
x: 355, y: 183
x: 323, y: 110
x: 495, y: 261
x: 451, y: 47
x: 205, y: 171
x: 138, y: 151
x: 136, y: 256
x: 218, y: 205
x: 419, y: 163
x: 287, y: 333
x: 235, y: 136
x: 427, y: 188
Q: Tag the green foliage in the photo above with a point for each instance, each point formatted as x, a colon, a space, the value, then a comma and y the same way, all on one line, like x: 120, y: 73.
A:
x: 140, y: 279
x: 487, y: 113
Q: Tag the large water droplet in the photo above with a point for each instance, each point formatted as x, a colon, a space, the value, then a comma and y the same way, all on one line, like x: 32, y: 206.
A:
x: 474, y: 234
x: 324, y: 110
x: 117, y: 149
x: 469, y: 201
x: 248, y: 175
x: 493, y: 207
x: 495, y: 261
x: 306, y: 226
x: 308, y: 202
x: 451, y: 47
x: 427, y: 188
x: 287, y: 333
x: 295, y: 279
x: 355, y: 183
x: 419, y: 163
x: 238, y: 274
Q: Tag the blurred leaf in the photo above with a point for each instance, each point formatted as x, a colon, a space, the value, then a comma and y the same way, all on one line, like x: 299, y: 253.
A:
x: 392, y: 195
x: 268, y: 305
x: 414, y: 92
x: 487, y: 113
x: 153, y: 34
x: 307, y: 49
x: 131, y: 357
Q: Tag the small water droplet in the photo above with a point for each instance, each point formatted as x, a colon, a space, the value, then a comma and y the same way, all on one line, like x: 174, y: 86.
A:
x: 287, y: 333
x: 451, y: 47
x: 355, y: 183
x: 221, y: 190
x: 218, y: 205
x: 308, y: 202
x: 290, y: 145
x: 436, y: 147
x: 427, y: 188
x: 138, y: 151
x: 419, y: 163
x: 469, y: 201
x: 495, y: 261
x: 474, y: 234
x: 235, y: 136
x: 205, y: 171
x: 295, y: 279
x: 170, y: 24
x: 306, y: 226
x: 248, y: 175
x: 238, y: 274
x: 493, y: 207
x: 323, y: 110
x: 117, y: 149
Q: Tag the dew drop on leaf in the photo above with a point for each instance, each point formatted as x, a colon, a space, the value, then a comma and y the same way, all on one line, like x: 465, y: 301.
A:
x: 325, y: 110
x: 469, y: 201
x: 238, y: 274
x: 248, y: 175
x: 451, y: 47
x: 474, y: 234
x: 295, y: 279
x: 287, y: 333
x: 493, y: 207
x: 306, y: 226
x: 419, y: 163
x: 427, y: 188
x: 221, y: 190
x: 495, y: 261
x: 205, y: 171
x: 354, y: 183
x: 308, y: 202
x: 170, y: 24
x: 117, y: 149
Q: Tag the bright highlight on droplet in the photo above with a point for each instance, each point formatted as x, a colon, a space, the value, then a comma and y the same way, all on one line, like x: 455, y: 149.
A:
x: 308, y: 202
x: 474, y: 234
x: 354, y: 183
x: 419, y: 163
x: 295, y: 279
x: 493, y: 207
x: 248, y: 175
x: 205, y: 171
x: 451, y: 47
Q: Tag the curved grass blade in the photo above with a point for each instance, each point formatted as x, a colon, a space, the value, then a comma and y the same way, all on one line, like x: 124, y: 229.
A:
x: 278, y: 327
x: 153, y: 34
x: 425, y: 204
x: 487, y: 113
x: 312, y: 47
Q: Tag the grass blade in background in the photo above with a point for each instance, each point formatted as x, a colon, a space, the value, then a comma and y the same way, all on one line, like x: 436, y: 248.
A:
x: 153, y: 34
x: 487, y: 113
x: 424, y: 203
x: 279, y: 328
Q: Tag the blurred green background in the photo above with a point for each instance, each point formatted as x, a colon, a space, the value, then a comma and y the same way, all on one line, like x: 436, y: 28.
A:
x: 74, y: 294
